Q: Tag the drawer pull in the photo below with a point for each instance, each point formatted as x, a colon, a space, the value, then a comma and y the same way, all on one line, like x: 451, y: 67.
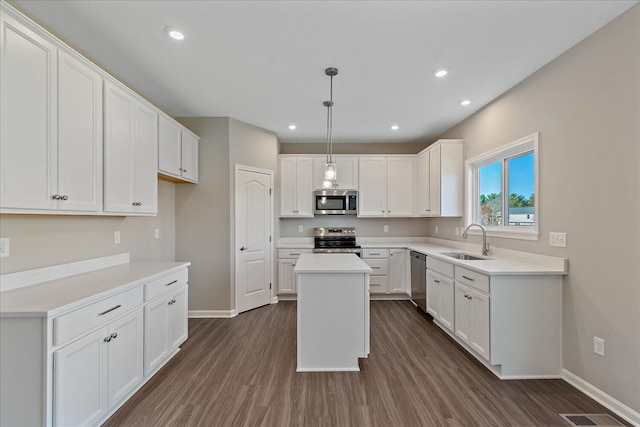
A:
x: 110, y: 310
x: 294, y: 253
x: 114, y: 335
x: 107, y: 339
x: 173, y: 301
x: 171, y: 283
x: 436, y: 280
x: 468, y: 278
x: 374, y: 253
x: 376, y: 268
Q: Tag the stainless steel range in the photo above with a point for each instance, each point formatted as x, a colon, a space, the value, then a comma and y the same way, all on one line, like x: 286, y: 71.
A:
x: 336, y: 241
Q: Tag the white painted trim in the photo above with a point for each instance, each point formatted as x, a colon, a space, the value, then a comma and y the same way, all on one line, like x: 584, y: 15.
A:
x: 614, y: 405
x: 39, y: 275
x: 212, y: 314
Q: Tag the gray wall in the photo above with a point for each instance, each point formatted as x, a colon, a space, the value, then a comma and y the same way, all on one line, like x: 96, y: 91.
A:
x: 205, y: 212
x: 586, y: 106
x: 45, y: 240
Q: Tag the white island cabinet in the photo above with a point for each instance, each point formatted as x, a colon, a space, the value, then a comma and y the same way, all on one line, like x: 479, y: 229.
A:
x: 72, y: 337
x: 333, y: 312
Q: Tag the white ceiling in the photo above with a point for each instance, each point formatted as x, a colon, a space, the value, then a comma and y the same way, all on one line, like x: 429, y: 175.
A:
x: 263, y: 62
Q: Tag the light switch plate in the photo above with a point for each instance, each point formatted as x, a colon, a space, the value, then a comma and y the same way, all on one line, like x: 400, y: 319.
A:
x: 157, y: 233
x: 300, y: 229
x: 558, y: 239
x: 598, y: 346
x: 116, y: 237
x: 386, y: 228
x: 4, y: 247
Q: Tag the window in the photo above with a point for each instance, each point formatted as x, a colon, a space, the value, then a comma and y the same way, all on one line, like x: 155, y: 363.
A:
x: 502, y: 190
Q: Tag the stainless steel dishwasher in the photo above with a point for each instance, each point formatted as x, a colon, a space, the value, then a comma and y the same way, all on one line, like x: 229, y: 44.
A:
x: 419, y: 280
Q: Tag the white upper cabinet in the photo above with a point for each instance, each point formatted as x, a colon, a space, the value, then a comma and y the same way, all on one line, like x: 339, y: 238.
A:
x: 130, y: 147
x: 51, y: 126
x: 296, y: 186
x: 347, y: 172
x: 439, y: 179
x: 177, y: 151
x: 385, y: 186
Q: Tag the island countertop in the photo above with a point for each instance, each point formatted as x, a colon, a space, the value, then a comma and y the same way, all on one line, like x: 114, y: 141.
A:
x: 331, y: 263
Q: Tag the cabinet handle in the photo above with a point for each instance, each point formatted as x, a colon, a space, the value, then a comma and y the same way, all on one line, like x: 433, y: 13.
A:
x: 376, y: 268
x: 64, y: 197
x: 184, y: 170
x: 107, y: 339
x: 110, y: 310
x: 427, y: 210
x: 468, y: 278
x: 382, y: 211
x: 171, y: 283
x: 374, y: 253
x: 56, y: 197
x: 173, y: 301
x: 436, y: 280
x: 242, y: 248
x: 114, y: 335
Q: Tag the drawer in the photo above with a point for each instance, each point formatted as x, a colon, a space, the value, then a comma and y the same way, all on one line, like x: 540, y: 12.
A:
x: 380, y: 267
x: 292, y: 253
x: 165, y: 284
x: 375, y: 253
x: 378, y: 284
x: 473, y: 279
x: 76, y: 323
x: 441, y: 267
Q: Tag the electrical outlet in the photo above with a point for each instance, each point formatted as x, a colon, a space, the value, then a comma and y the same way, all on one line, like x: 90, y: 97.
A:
x: 116, y: 237
x: 386, y: 228
x: 457, y: 231
x: 598, y: 346
x: 558, y: 239
x: 300, y: 229
x: 436, y: 229
x: 4, y: 247
x: 157, y: 233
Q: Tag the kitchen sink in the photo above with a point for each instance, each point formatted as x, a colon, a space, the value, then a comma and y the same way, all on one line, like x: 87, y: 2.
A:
x: 463, y: 256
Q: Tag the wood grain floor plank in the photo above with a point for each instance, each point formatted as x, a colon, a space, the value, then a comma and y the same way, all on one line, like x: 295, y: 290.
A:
x: 242, y: 372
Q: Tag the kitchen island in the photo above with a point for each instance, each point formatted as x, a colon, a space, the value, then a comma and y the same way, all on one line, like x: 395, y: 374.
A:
x: 333, y: 312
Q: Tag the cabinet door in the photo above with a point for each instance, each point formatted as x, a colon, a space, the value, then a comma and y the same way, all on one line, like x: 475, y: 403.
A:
x: 397, y: 271
x: 177, y: 322
x: 433, y: 294
x: 118, y: 161
x: 479, y: 319
x: 424, y: 204
x: 462, y: 312
x: 145, y: 146
x: 446, y: 293
x: 27, y: 117
x: 400, y: 186
x: 288, y: 186
x: 451, y: 178
x: 372, y: 181
x: 434, y: 180
x: 347, y: 172
x: 124, y: 356
x: 169, y: 151
x: 304, y: 186
x: 286, y: 277
x: 79, y: 136
x: 156, y: 345
x: 80, y: 381
x: 189, y: 157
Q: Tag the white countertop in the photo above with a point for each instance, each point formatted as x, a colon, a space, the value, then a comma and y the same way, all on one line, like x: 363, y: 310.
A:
x: 528, y: 264
x: 331, y: 263
x: 59, y: 296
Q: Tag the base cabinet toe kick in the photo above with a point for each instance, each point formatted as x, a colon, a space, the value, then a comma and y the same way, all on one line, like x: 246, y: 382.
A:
x: 77, y: 364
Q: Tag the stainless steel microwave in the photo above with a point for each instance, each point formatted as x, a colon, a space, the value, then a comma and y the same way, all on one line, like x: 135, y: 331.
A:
x: 335, y: 202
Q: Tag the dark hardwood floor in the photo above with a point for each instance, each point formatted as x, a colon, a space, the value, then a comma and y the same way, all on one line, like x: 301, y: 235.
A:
x: 242, y: 372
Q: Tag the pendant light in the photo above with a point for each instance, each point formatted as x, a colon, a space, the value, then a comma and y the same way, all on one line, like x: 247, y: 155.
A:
x: 330, y: 171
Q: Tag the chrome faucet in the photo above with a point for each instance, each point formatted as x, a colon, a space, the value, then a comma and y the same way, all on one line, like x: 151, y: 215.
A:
x: 485, y: 246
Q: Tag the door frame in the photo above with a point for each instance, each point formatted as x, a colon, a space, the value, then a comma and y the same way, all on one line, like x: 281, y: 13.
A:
x: 234, y: 245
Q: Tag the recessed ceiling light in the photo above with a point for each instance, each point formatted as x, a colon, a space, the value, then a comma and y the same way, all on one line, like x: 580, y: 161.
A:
x: 292, y: 127
x: 174, y: 34
x: 465, y: 102
x: 441, y: 72
x: 395, y: 127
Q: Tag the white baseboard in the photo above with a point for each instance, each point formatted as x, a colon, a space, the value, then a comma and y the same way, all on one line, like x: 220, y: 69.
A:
x: 214, y: 314
x: 615, y: 406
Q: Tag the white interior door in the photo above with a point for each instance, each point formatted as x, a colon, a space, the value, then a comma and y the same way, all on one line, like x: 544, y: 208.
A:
x: 253, y: 251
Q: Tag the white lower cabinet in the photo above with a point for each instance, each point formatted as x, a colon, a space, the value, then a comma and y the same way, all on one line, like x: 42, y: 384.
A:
x: 388, y: 270
x: 440, y: 299
x: 165, y: 327
x: 93, y: 374
x: 397, y: 278
x: 472, y: 319
x: 287, y: 259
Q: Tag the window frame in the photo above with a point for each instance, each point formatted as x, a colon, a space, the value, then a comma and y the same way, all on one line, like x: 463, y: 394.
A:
x: 501, y: 154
